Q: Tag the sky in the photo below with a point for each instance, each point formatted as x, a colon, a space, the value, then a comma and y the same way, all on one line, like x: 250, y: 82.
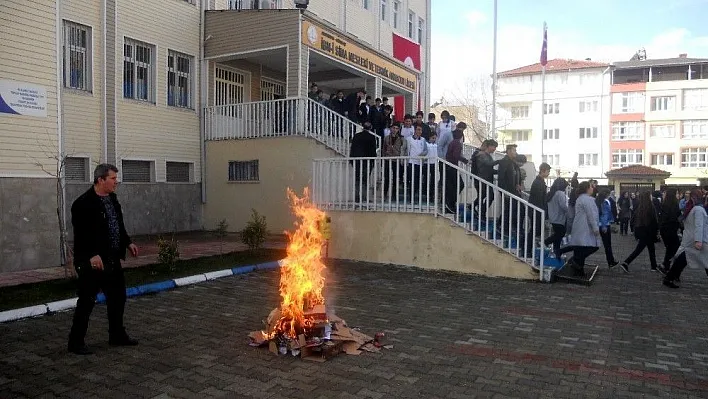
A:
x: 603, y: 30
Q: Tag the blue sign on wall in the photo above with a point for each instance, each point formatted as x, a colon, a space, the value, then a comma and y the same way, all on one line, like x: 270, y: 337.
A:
x: 21, y: 98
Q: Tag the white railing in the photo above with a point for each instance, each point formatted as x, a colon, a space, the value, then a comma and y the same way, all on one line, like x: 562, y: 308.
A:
x: 433, y: 186
x: 276, y: 118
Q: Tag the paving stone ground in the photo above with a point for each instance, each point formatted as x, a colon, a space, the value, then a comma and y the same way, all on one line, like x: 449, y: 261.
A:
x: 454, y: 336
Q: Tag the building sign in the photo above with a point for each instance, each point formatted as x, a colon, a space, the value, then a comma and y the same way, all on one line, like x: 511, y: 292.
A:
x: 21, y: 98
x: 343, y: 49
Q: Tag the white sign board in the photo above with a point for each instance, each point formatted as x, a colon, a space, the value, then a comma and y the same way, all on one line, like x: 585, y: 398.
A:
x: 21, y: 98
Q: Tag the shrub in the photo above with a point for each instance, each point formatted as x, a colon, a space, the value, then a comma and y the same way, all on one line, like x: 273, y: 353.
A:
x: 168, y: 252
x: 256, y: 231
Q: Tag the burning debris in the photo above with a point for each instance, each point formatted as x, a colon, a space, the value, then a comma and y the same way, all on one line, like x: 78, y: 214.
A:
x: 302, y: 325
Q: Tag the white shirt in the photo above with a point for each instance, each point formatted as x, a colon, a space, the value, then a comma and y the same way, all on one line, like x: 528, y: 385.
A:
x: 407, y: 131
x: 416, y: 148
x: 432, y: 153
x: 445, y: 127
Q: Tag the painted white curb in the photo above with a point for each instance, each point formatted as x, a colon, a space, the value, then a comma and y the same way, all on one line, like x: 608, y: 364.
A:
x: 21, y: 313
x: 58, y: 306
x: 219, y: 274
x: 181, y: 282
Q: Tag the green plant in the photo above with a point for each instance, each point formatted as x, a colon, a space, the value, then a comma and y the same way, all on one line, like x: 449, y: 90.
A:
x: 254, y: 235
x: 168, y: 252
x: 220, y: 233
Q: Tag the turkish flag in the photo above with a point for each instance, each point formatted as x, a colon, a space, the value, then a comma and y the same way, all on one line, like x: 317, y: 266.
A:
x: 408, y: 52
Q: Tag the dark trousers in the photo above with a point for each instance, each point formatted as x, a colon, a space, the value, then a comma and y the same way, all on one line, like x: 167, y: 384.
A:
x: 112, y: 282
x: 392, y: 176
x: 624, y: 225
x: 580, y: 254
x: 677, y: 268
x: 646, y: 240
x: 361, y: 179
x: 510, y: 213
x: 556, y: 238
x: 414, y: 181
x: 485, y: 196
x: 669, y: 235
x: 607, y: 243
x: 451, y: 188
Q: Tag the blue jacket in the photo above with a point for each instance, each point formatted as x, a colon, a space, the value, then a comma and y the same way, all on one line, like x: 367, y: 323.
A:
x: 606, y: 217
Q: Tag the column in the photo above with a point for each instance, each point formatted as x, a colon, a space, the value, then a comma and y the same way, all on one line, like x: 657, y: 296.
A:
x: 410, y: 104
x: 373, y: 87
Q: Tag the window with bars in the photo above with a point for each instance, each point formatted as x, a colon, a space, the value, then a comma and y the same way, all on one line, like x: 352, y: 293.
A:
x: 137, y: 171
x: 178, y: 172
x: 588, y: 132
x: 77, y: 56
x: 243, y: 171
x: 76, y: 169
x: 271, y: 90
x: 622, y: 158
x: 696, y: 157
x: 179, y: 79
x: 138, y: 70
x: 588, y: 159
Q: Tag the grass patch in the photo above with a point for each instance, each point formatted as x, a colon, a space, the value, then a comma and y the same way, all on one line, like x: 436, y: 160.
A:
x: 47, y: 291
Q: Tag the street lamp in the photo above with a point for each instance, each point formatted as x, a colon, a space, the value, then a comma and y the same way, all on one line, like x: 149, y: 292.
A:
x: 302, y: 4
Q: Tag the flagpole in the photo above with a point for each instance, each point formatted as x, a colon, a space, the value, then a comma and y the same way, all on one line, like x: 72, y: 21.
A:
x: 494, y: 77
x: 543, y: 89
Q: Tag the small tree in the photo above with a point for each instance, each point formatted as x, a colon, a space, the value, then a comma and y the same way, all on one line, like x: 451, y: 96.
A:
x: 256, y: 231
x: 220, y: 233
x: 168, y: 252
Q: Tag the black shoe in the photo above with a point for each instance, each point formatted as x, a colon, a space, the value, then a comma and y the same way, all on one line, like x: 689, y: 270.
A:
x: 670, y: 284
x: 625, y: 267
x: 122, y: 341
x: 82, y: 349
x: 654, y: 269
x: 613, y: 264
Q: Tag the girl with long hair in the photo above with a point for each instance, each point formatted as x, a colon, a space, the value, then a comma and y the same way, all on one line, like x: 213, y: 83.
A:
x: 604, y: 207
x: 624, y: 206
x: 646, y: 225
x: 694, y: 245
x: 557, y: 213
x: 669, y: 225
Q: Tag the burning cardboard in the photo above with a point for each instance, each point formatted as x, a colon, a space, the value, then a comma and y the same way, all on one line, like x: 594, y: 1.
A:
x: 302, y: 325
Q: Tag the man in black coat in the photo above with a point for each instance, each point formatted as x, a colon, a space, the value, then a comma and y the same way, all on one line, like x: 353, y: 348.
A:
x: 483, y: 166
x: 100, y: 242
x: 363, y: 146
x: 509, y: 179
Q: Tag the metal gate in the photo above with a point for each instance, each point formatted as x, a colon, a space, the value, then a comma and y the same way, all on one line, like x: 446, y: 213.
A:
x: 229, y: 88
x: 636, y: 187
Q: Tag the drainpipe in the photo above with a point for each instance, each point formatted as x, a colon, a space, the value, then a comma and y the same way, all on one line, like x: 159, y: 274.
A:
x: 61, y: 156
x: 203, y: 76
x: 104, y: 153
x: 602, y: 124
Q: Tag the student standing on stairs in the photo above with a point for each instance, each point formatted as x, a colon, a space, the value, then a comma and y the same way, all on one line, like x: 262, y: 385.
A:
x: 454, y: 156
x: 484, y: 168
x: 537, y: 197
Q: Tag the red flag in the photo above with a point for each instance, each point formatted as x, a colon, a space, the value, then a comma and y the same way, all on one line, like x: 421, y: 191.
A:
x: 544, y: 47
x: 408, y: 52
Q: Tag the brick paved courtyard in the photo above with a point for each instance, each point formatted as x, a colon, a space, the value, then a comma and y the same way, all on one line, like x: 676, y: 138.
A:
x: 454, y: 336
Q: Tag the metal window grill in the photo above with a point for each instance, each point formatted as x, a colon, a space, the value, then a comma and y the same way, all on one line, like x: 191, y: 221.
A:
x: 76, y: 169
x: 243, y: 170
x: 178, y: 172
x: 137, y: 171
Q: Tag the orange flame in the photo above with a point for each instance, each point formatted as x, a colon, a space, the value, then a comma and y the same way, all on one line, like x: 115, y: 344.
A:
x: 301, y: 274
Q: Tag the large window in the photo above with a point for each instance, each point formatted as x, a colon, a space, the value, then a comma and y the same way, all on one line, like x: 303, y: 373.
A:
x: 696, y: 157
x: 662, y: 159
x: 551, y: 108
x: 137, y: 171
x: 628, y: 103
x: 520, y: 112
x: 138, y: 71
x: 551, y: 134
x: 588, y: 132
x: 520, y: 135
x: 411, y: 24
x: 77, y: 56
x: 366, y: 4
x: 695, y: 99
x: 552, y: 159
x: 662, y: 131
x: 384, y: 9
x: 421, y: 26
x: 587, y: 106
x: 396, y: 13
x: 663, y: 103
x: 696, y: 129
x: 588, y: 159
x: 622, y: 158
x: 179, y: 80
x: 627, y: 131
x: 243, y: 171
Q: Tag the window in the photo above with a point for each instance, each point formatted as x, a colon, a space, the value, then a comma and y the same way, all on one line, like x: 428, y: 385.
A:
x: 270, y: 90
x: 179, y: 172
x: 662, y: 131
x: 622, y: 158
x: 623, y: 103
x: 662, y: 159
x: 696, y: 157
x: 384, y: 9
x: 77, y: 56
x: 697, y: 129
x: 551, y: 134
x: 179, y: 81
x: 396, y: 12
x: 695, y: 99
x: 552, y: 159
x: 519, y: 135
x: 254, y: 4
x: 551, y: 108
x: 76, y: 169
x: 421, y: 25
x: 587, y: 106
x: 191, y: 1
x: 627, y: 131
x: 138, y: 71
x: 664, y: 103
x: 237, y: 4
x: 588, y: 159
x: 411, y: 26
x: 366, y: 4
x: 520, y: 112
x: 243, y: 170
x: 137, y: 171
x: 588, y: 132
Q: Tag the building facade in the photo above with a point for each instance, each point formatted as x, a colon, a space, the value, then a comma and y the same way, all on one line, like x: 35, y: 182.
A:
x: 573, y: 135
x: 127, y: 82
x: 660, y: 116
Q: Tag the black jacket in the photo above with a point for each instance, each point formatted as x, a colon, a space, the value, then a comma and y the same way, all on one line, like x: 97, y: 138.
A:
x: 484, y: 165
x: 363, y: 145
x: 90, y: 222
x: 537, y: 195
x: 509, y: 175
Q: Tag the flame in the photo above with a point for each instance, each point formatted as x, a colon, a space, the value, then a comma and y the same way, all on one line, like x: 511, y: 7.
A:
x: 301, y: 274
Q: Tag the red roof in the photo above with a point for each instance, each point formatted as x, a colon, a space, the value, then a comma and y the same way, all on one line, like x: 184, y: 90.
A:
x: 555, y: 65
x: 637, y: 170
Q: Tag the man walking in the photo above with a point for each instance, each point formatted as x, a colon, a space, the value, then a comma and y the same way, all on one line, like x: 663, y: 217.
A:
x: 484, y: 168
x: 363, y: 145
x: 100, y: 242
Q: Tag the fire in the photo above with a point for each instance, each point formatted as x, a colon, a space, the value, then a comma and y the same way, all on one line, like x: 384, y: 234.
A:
x: 301, y: 273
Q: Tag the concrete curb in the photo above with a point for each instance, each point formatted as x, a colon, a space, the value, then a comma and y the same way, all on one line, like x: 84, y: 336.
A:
x: 66, y: 304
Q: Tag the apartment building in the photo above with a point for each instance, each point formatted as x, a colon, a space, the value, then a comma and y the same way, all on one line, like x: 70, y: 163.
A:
x: 127, y: 82
x: 574, y: 135
x: 660, y: 116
